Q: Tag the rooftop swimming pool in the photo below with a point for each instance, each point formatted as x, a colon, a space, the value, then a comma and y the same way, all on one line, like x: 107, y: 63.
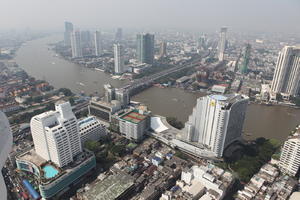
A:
x: 50, y: 171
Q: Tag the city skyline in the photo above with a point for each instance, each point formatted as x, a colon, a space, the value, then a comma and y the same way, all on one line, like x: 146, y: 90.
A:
x: 234, y: 14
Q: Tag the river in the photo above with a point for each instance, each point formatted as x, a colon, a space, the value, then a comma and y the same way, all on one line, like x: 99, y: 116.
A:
x: 41, y: 63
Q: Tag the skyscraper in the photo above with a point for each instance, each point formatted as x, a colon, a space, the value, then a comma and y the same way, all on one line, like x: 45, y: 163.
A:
x: 119, y: 58
x: 286, y: 77
x: 86, y: 38
x: 217, y: 121
x: 67, y: 34
x: 122, y: 95
x: 119, y: 35
x: 290, y: 156
x: 6, y: 140
x: 109, y: 93
x: 163, y: 49
x: 56, y: 135
x: 98, y: 43
x: 245, y: 59
x: 145, y: 48
x: 222, y: 43
x: 76, y: 44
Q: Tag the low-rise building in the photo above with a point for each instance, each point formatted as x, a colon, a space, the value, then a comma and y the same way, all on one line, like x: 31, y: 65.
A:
x: 104, y: 110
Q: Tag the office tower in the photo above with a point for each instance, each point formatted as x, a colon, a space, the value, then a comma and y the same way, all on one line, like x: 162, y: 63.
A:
x: 109, y: 93
x: 119, y: 58
x: 145, y: 48
x: 290, y: 156
x: 202, y: 42
x: 119, y: 35
x: 67, y: 34
x: 76, y: 44
x: 98, y: 43
x: 245, y: 59
x: 163, y: 49
x: 222, y: 43
x: 286, y: 77
x: 122, y: 95
x: 56, y: 135
x: 217, y: 121
x: 6, y: 139
x: 86, y: 38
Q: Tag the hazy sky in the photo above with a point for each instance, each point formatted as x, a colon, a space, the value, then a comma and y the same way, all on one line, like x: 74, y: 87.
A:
x: 256, y: 15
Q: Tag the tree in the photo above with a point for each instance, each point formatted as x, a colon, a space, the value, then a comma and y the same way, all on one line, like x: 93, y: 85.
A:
x: 92, y: 145
x: 174, y: 122
x: 67, y: 92
x: 38, y: 99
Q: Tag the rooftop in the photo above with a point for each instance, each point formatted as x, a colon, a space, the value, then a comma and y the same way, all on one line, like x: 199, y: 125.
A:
x: 133, y: 117
x: 110, y: 188
x: 33, y: 157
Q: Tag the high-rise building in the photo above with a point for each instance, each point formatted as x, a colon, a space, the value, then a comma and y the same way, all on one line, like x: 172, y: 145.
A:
x: 119, y: 58
x: 91, y: 129
x: 217, y: 121
x: 67, y: 34
x: 119, y: 35
x: 56, y: 135
x: 222, y: 43
x: 290, y: 156
x: 163, y: 49
x: 245, y: 59
x: 122, y: 95
x: 202, y: 42
x: 86, y: 38
x: 109, y: 93
x: 286, y: 77
x: 76, y: 44
x: 98, y: 43
x: 6, y: 139
x: 145, y: 48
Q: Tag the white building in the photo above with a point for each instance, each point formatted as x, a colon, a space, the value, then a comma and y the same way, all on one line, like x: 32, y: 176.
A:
x: 91, y: 129
x: 76, y: 44
x: 119, y: 58
x: 133, y: 125
x: 98, y: 43
x: 222, y: 43
x: 217, y: 121
x: 56, y: 135
x: 6, y: 139
x: 290, y: 156
x: 287, y: 72
x: 122, y: 95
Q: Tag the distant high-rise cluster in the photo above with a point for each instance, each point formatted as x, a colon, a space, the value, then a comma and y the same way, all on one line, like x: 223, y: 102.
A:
x: 217, y: 121
x: 6, y: 140
x: 119, y: 58
x: 287, y: 72
x: 98, y: 43
x: 76, y: 44
x: 145, y: 48
x: 67, y: 34
x: 56, y: 135
x: 245, y: 59
x: 222, y: 43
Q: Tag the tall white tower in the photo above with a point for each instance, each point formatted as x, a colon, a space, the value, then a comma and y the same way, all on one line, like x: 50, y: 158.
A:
x: 6, y: 139
x: 56, y: 135
x: 287, y: 72
x: 290, y: 156
x: 217, y: 121
x: 98, y: 43
x: 222, y: 43
x: 119, y: 58
x: 76, y: 44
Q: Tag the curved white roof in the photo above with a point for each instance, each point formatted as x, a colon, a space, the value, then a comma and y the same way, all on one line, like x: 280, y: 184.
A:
x: 157, y: 125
